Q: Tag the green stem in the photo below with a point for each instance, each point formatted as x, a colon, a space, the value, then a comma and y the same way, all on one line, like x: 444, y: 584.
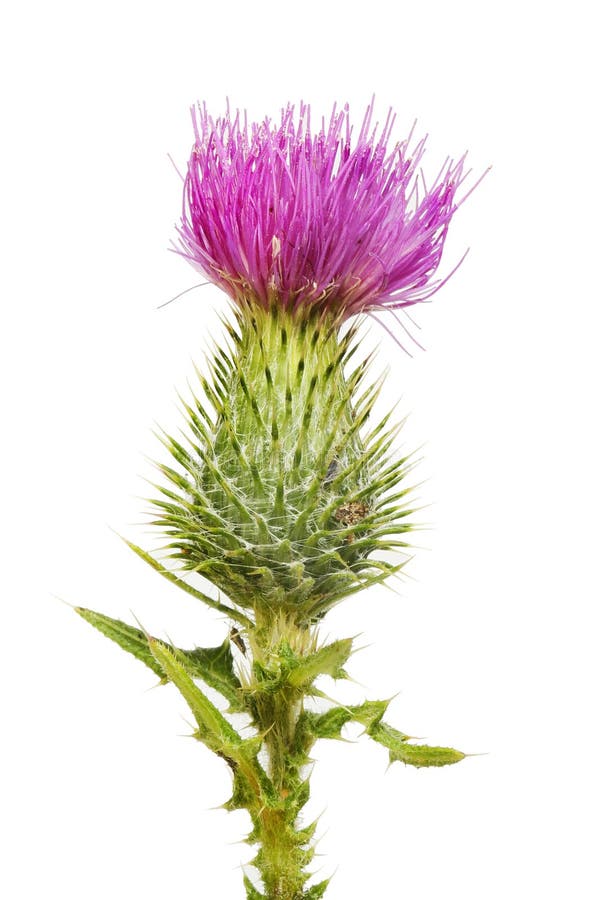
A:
x: 285, y: 852
x: 282, y: 860
x: 285, y: 707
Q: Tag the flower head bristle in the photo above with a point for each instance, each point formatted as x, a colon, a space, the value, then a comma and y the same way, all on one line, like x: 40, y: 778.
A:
x: 284, y: 215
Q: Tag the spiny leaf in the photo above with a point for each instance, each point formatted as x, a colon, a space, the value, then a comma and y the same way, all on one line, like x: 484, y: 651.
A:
x: 133, y: 640
x: 252, y: 892
x: 327, y: 660
x: 317, y: 890
x: 329, y: 725
x: 242, y: 795
x: 214, y: 665
x: 419, y: 755
x: 215, y: 729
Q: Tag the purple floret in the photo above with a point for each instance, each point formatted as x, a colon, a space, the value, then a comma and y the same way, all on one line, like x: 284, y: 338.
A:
x: 279, y: 213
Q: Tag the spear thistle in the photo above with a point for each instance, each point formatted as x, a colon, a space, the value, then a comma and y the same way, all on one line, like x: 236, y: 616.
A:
x: 283, y: 495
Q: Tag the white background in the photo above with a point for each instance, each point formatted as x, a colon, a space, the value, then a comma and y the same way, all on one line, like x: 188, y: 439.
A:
x: 491, y: 640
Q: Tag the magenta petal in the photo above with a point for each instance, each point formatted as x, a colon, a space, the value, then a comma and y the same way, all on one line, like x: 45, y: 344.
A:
x: 278, y: 213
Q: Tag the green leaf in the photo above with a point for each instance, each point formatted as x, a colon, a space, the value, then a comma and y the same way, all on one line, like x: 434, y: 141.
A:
x: 214, y: 728
x: 317, y: 891
x: 327, y: 660
x: 370, y: 712
x: 242, y: 795
x: 133, y: 640
x: 214, y: 665
x: 252, y: 892
x: 329, y: 725
x: 419, y: 755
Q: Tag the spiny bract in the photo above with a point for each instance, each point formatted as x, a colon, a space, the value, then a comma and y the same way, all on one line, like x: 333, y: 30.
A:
x: 279, y: 497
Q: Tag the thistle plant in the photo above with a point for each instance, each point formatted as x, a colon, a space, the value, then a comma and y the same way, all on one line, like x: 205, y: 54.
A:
x: 285, y: 492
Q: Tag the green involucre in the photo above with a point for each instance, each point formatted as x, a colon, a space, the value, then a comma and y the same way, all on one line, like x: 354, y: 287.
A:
x: 277, y: 494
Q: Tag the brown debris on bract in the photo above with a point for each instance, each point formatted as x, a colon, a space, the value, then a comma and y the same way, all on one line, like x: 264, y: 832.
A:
x: 351, y: 514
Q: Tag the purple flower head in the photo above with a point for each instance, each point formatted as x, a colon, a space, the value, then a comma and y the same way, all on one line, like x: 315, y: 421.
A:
x: 286, y: 214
